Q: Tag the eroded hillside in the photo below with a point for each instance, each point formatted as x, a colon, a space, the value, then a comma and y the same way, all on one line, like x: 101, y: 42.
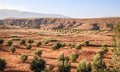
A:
x: 85, y: 24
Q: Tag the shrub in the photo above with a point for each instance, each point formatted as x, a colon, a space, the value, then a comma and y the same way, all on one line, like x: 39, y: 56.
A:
x: 86, y: 43
x: 105, y: 49
x: 29, y: 46
x: 24, y: 57
x: 12, y: 49
x: 78, y: 46
x: 38, y: 52
x: 1, y: 41
x: 56, y: 46
x: 38, y: 44
x: 9, y: 42
x: 116, y: 48
x: 30, y: 41
x: 46, y: 41
x: 38, y: 65
x: 61, y: 57
x: 74, y: 56
x: 104, y: 45
x: 70, y: 45
x: 101, y: 53
x: 36, y: 57
x: 98, y: 65
x: 51, y: 67
x: 83, y: 66
x: 64, y: 67
x: 2, y: 65
x: 22, y: 42
x: 63, y: 44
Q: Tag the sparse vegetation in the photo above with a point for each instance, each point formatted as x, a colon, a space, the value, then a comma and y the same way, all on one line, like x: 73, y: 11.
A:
x: 86, y: 43
x: 61, y: 57
x: 63, y: 64
x: 73, y: 56
x: 70, y: 45
x: 64, y: 67
x: 84, y: 66
x: 57, y: 45
x: 1, y: 41
x: 116, y: 48
x: 101, y: 53
x: 30, y: 41
x: 98, y: 65
x: 24, y: 57
x: 9, y: 42
x: 29, y: 46
x: 46, y: 41
x: 38, y: 44
x: 38, y: 52
x: 37, y: 65
x: 12, y: 49
x: 22, y: 42
x: 71, y: 37
x: 2, y: 65
x: 104, y: 48
x: 78, y: 46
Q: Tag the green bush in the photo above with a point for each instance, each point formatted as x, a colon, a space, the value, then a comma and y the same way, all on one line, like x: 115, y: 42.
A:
x: 61, y: 57
x: 29, y: 46
x: 36, y: 57
x: 70, y: 45
x: 22, y: 42
x: 30, y: 41
x: 24, y: 57
x: 38, y: 65
x: 101, y: 53
x: 98, y: 65
x: 64, y: 67
x: 74, y: 56
x: 2, y: 65
x: 38, y: 44
x: 83, y: 66
x: 12, y: 49
x: 56, y: 46
x: 9, y: 42
x: 104, y: 45
x: 78, y: 46
x: 46, y: 41
x: 105, y: 49
x: 1, y: 41
x: 38, y: 53
x: 86, y: 43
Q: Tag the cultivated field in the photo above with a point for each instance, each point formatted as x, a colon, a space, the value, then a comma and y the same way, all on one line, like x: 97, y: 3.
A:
x: 95, y: 38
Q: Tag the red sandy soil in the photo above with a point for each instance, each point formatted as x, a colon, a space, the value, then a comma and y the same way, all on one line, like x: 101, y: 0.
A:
x: 87, y: 52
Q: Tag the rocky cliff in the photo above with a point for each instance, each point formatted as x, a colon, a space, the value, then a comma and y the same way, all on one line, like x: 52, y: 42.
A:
x: 86, y: 24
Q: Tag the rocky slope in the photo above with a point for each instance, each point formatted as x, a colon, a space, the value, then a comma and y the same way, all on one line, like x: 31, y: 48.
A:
x: 86, y: 24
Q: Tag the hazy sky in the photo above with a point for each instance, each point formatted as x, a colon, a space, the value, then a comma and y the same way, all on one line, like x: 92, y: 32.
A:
x: 72, y: 8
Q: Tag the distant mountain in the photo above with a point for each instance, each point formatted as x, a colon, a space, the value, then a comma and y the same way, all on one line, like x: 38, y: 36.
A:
x: 5, y: 13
